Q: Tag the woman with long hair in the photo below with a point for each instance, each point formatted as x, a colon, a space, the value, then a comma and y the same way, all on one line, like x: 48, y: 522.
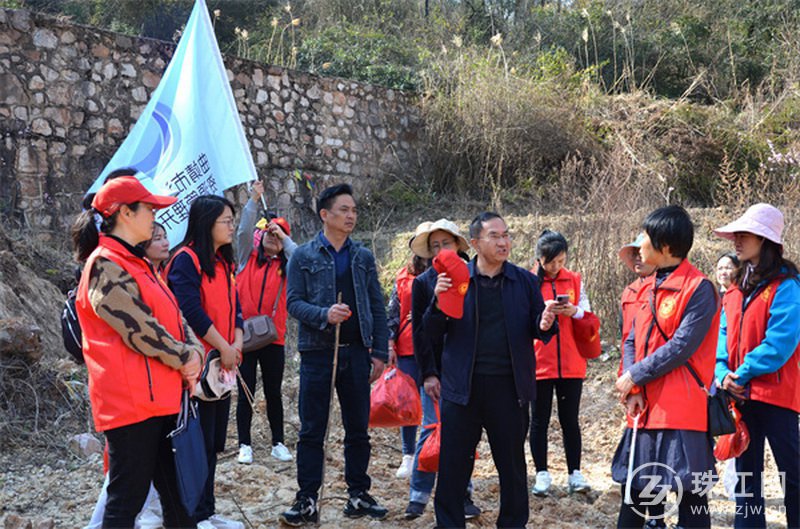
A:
x: 560, y: 368
x: 157, y: 249
x: 758, y: 359
x: 201, y: 274
x: 263, y: 250
x: 138, y: 349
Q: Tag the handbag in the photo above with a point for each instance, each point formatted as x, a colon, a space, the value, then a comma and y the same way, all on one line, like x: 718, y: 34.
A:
x: 215, y: 383
x: 189, y: 451
x: 587, y: 335
x: 720, y: 419
x: 260, y: 331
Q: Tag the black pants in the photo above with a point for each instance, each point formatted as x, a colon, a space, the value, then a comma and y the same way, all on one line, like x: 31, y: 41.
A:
x: 692, y: 511
x: 568, y: 393
x: 214, y: 422
x: 271, y: 359
x: 777, y: 425
x: 138, y: 454
x: 352, y: 388
x: 493, y: 406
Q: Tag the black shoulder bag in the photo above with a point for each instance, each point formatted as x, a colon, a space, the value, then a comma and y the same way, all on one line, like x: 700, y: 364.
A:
x: 720, y: 419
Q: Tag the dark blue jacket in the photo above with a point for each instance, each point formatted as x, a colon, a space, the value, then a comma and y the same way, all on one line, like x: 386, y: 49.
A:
x: 311, y: 290
x: 523, y: 306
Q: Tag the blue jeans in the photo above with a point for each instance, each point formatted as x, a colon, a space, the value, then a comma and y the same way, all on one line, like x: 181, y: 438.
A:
x: 422, y: 482
x: 352, y: 387
x: 777, y: 425
x: 408, y: 365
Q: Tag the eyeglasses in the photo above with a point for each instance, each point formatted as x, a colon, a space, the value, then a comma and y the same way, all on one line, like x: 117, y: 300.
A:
x: 496, y: 238
x: 227, y: 222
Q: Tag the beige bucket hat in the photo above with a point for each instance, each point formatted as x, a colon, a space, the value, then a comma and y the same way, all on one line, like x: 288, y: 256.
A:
x: 419, y: 244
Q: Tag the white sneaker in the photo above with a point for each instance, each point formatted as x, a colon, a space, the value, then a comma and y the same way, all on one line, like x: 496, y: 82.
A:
x: 405, y: 468
x: 148, y: 519
x: 281, y: 453
x: 205, y: 524
x: 223, y: 523
x: 542, y: 485
x: 577, y: 483
x: 245, y: 454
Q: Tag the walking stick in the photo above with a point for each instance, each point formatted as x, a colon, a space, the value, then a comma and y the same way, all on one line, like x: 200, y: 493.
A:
x: 629, y: 479
x: 330, y: 412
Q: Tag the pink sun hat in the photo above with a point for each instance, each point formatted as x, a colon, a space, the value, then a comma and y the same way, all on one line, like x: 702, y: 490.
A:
x: 763, y: 220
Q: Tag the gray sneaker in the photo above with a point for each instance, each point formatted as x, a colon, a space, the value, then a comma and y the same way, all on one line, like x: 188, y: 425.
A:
x: 543, y: 482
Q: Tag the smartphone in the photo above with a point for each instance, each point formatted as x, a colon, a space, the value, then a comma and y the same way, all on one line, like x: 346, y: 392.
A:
x: 562, y: 299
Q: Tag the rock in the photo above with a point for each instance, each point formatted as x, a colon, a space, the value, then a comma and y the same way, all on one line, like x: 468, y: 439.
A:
x: 85, y: 444
x: 44, y: 38
x: 47, y: 523
x: 12, y: 90
x: 21, y: 338
x: 15, y: 521
x: 41, y: 126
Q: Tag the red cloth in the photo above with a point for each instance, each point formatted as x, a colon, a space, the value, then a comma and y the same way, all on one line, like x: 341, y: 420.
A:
x: 451, y: 301
x: 745, y: 334
x: 258, y: 288
x: 559, y: 358
x: 125, y: 387
x: 675, y: 401
x: 217, y: 296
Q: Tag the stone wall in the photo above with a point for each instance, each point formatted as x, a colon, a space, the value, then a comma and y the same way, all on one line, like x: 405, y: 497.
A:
x: 69, y: 95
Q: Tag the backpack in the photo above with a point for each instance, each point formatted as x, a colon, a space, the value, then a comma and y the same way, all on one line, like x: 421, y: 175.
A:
x: 71, y: 328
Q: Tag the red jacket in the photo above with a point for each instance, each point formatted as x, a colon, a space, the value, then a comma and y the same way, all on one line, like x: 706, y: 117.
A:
x: 675, y: 400
x: 217, y: 296
x: 404, y: 345
x: 560, y: 357
x: 258, y: 288
x: 746, y: 330
x: 126, y: 387
x: 629, y: 303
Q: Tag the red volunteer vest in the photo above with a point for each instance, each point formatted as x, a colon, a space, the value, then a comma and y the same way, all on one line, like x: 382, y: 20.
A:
x: 560, y: 357
x: 217, y: 295
x: 404, y: 344
x: 675, y: 401
x: 629, y: 303
x: 258, y: 288
x: 746, y: 330
x: 126, y: 387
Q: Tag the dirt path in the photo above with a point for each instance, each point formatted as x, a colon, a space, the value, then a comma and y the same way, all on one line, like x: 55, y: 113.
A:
x: 59, y: 487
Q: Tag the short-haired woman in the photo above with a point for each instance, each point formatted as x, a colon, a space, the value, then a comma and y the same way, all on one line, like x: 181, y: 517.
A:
x: 668, y: 366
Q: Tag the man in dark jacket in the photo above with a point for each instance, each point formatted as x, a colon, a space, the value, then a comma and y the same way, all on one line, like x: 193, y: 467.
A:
x: 329, y: 265
x: 487, y: 373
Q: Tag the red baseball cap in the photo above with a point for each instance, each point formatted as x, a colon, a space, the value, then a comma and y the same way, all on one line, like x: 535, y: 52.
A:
x: 451, y: 301
x: 126, y: 190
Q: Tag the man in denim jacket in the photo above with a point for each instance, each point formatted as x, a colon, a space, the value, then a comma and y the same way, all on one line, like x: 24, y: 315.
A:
x: 319, y: 270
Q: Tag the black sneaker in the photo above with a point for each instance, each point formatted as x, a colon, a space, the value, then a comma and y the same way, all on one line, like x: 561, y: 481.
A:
x: 414, y: 510
x: 364, y: 505
x: 304, y: 511
x: 470, y: 509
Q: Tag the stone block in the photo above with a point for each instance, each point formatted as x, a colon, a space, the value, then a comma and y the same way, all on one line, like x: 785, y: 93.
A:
x: 84, y: 445
x: 67, y: 37
x: 150, y: 79
x: 127, y: 70
x: 41, y: 126
x: 261, y: 96
x: 15, y: 521
x: 109, y: 71
x: 115, y: 127
x: 100, y: 51
x: 139, y: 94
x: 44, y: 38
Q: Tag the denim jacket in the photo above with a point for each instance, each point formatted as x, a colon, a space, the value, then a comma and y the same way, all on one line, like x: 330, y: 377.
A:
x: 311, y: 290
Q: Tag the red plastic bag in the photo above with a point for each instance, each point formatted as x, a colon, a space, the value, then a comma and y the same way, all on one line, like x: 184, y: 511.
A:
x: 395, y: 401
x: 429, y: 455
x: 733, y: 444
